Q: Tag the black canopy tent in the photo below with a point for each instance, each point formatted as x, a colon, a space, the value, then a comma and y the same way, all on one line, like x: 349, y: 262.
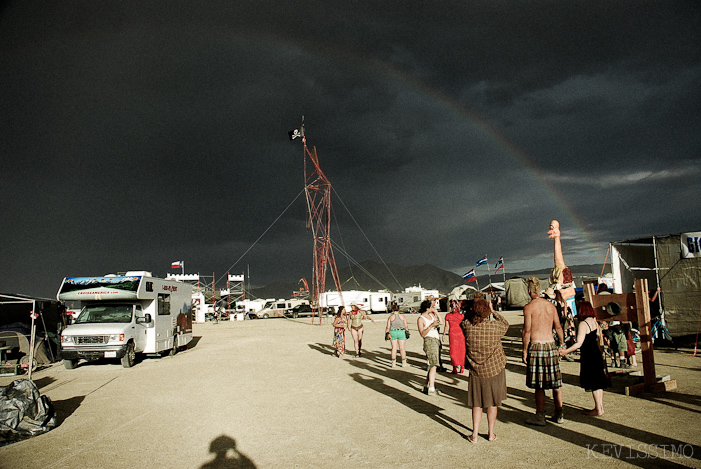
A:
x: 16, y: 324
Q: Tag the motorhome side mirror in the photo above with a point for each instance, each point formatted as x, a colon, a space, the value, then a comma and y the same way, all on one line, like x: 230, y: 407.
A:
x: 146, y: 319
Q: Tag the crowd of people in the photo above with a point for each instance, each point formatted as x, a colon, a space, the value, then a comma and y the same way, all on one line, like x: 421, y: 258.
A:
x: 475, y: 328
x: 474, y: 331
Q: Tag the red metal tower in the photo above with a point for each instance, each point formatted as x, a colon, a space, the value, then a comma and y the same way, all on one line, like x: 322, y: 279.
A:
x: 318, y: 191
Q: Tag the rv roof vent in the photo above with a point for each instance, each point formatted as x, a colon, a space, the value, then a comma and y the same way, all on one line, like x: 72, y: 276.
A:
x: 141, y: 273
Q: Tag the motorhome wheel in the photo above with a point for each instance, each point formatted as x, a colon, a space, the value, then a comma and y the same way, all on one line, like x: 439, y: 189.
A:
x: 129, y: 358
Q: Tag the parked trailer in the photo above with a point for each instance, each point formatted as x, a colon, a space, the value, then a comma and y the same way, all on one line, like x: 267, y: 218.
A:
x: 373, y: 302
x: 125, y: 315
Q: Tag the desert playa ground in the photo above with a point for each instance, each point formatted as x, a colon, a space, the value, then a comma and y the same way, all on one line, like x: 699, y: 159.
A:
x: 270, y: 393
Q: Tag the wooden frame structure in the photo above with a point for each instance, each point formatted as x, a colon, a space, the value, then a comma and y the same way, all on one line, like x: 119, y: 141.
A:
x: 634, y: 307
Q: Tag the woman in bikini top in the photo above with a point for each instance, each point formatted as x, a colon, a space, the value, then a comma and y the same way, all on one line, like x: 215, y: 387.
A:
x: 356, y: 318
x: 356, y: 324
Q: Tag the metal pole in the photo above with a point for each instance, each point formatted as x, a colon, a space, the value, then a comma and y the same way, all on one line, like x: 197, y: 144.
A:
x: 657, y: 279
x: 32, y: 336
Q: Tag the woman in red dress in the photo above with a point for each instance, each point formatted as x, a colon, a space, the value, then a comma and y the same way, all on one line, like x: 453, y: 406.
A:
x: 456, y: 338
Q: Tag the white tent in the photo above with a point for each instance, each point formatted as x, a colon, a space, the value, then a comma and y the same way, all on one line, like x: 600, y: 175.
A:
x: 461, y: 292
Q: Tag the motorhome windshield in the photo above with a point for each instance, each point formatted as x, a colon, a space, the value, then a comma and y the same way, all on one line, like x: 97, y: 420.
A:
x: 104, y: 313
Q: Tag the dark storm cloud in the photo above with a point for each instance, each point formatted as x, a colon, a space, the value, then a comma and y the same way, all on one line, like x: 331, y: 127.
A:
x: 134, y: 134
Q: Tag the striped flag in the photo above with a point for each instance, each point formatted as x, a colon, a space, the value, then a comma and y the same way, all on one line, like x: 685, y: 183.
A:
x: 481, y: 261
x: 470, y: 276
x: 176, y: 264
x: 499, y: 264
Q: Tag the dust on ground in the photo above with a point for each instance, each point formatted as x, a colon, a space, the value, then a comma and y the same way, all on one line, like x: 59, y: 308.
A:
x: 271, y: 393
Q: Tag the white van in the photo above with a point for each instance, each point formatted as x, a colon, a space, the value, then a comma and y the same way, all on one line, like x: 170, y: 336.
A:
x: 277, y: 308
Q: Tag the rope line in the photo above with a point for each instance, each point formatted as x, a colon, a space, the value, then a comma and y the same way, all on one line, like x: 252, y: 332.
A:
x: 366, y: 237
x: 266, y: 230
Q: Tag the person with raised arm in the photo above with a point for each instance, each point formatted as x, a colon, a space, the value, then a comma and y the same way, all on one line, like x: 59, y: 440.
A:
x: 561, y: 275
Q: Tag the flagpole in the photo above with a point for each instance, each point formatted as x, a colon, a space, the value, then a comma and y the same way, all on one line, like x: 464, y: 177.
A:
x: 489, y: 271
x: 182, y: 267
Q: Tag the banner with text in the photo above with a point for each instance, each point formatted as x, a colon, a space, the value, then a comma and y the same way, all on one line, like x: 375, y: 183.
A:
x: 691, y: 244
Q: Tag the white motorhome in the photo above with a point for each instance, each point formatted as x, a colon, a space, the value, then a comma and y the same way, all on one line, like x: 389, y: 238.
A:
x: 370, y: 301
x: 410, y: 299
x: 123, y: 315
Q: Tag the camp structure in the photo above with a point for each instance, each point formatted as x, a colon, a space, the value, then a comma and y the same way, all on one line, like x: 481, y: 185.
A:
x: 494, y: 288
x: 516, y: 293
x: 15, y: 328
x: 672, y: 262
x: 462, y: 292
x: 410, y: 299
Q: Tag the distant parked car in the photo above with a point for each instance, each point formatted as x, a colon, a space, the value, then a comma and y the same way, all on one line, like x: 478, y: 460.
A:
x: 306, y: 310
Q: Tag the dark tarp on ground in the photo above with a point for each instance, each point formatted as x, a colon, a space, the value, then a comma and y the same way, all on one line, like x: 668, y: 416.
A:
x: 516, y: 293
x: 24, y: 411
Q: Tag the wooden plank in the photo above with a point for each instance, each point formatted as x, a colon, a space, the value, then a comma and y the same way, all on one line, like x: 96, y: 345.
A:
x: 644, y: 325
x: 664, y: 386
x: 635, y: 389
x: 627, y: 301
x: 656, y: 388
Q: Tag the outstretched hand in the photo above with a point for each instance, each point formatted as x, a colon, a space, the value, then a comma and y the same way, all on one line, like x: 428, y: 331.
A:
x: 554, y: 231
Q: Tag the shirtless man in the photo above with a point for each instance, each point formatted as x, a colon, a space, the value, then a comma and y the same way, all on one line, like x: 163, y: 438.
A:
x: 540, y: 352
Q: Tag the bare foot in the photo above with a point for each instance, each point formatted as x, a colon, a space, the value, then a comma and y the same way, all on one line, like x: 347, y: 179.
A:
x: 472, y: 438
x: 554, y: 231
x: 492, y: 438
x: 594, y: 412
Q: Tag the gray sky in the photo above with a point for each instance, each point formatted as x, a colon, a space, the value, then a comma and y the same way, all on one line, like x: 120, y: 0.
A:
x: 137, y: 133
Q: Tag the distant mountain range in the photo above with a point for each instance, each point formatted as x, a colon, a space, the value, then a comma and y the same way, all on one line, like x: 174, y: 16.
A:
x: 372, y: 275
